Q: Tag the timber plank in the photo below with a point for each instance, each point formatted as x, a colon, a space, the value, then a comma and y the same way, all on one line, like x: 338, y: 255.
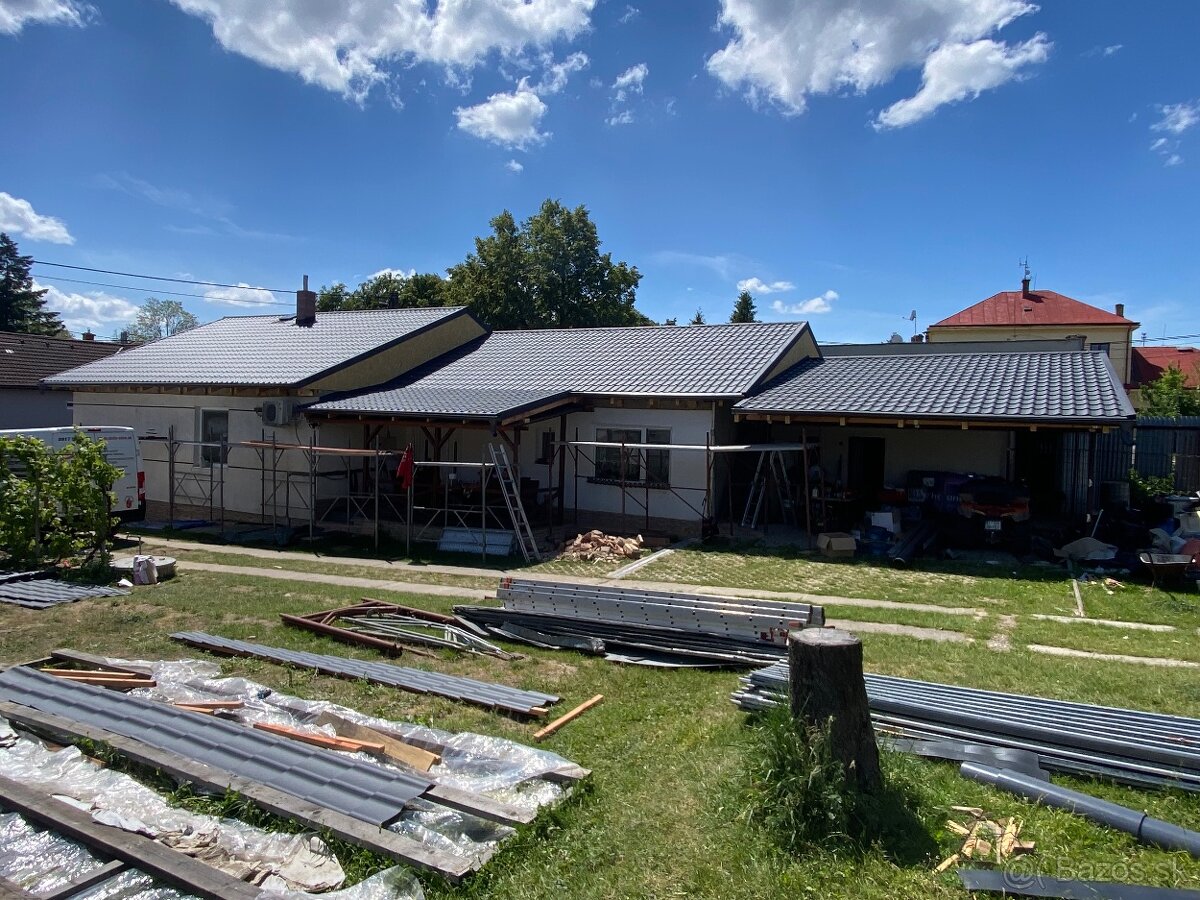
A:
x: 10, y: 890
x: 99, y: 662
x: 88, y: 879
x: 379, y: 840
x: 148, y: 856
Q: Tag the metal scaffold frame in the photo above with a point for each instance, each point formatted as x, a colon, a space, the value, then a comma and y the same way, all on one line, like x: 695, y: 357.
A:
x: 629, y: 490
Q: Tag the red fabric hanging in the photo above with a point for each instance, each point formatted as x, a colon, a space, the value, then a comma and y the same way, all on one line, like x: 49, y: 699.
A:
x: 404, y: 471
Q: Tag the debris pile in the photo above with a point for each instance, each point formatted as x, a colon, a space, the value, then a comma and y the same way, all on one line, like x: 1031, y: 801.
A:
x: 598, y: 546
x: 985, y: 839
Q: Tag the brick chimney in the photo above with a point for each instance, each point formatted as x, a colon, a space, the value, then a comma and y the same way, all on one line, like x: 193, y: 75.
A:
x: 88, y: 336
x: 1025, y: 288
x: 306, y: 306
x: 1120, y: 308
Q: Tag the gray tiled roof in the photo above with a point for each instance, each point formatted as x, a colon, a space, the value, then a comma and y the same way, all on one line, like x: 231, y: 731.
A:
x: 259, y: 350
x: 1065, y: 386
x: 512, y: 370
x: 322, y: 777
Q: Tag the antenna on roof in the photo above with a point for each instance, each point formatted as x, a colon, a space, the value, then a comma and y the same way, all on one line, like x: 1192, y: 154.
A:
x: 1024, y: 264
x: 912, y: 317
x: 1025, y: 281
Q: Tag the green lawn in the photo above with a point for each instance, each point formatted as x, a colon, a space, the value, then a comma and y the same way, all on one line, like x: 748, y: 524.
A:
x: 661, y: 816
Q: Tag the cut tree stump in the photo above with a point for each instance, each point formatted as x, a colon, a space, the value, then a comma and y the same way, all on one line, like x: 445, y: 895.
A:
x: 826, y: 683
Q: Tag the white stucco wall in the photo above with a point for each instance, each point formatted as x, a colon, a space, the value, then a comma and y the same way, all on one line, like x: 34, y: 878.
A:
x: 152, y: 415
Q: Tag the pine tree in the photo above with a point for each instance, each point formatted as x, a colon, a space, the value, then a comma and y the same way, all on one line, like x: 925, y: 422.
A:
x: 698, y: 318
x: 743, y: 309
x: 22, y: 306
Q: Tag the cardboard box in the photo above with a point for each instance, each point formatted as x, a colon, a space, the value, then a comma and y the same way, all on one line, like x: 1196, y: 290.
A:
x: 836, y: 544
x: 889, y: 520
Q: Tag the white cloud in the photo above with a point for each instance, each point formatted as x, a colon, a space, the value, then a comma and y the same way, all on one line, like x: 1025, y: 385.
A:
x: 957, y: 72
x: 396, y: 273
x: 758, y: 286
x: 625, y: 87
x: 1177, y: 117
x: 1112, y: 48
x: 631, y: 13
x: 815, y: 306
x: 17, y: 217
x: 630, y: 82
x: 510, y: 120
x: 98, y: 311
x: 555, y: 75
x: 242, y: 295
x: 16, y: 14
x: 1174, y: 120
x: 347, y: 47
x: 785, y: 52
x: 515, y: 167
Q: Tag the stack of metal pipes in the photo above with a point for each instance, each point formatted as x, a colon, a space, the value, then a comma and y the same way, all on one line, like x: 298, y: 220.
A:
x: 1129, y: 746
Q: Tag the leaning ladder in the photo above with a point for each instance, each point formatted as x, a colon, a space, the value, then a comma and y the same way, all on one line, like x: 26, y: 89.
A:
x: 512, y: 499
x: 770, y: 467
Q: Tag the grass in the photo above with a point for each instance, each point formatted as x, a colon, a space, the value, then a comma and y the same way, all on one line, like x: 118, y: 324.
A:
x: 662, y: 815
x: 1008, y: 588
x: 1179, y: 644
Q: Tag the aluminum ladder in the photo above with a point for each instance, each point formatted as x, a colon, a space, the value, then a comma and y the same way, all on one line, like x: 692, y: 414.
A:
x: 770, y: 467
x: 511, y: 492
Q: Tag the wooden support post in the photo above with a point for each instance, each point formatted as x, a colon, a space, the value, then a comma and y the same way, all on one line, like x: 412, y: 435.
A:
x: 826, y: 688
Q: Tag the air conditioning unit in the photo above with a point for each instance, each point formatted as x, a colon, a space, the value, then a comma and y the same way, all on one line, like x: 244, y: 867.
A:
x: 278, y: 412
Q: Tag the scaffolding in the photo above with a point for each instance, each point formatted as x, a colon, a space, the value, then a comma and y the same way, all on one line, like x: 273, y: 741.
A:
x: 630, y: 489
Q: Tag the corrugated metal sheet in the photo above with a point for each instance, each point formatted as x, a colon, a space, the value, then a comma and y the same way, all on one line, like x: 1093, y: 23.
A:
x: 367, y: 792
x: 419, y: 681
x: 20, y: 589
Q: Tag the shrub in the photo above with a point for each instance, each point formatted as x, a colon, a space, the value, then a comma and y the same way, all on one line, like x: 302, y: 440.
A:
x: 55, y: 505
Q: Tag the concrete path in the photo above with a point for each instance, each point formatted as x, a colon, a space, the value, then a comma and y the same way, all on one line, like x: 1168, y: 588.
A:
x: 366, y: 584
x: 1114, y: 657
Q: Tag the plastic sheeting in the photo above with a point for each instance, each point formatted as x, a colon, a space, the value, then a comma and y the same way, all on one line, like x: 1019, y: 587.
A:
x: 285, y: 861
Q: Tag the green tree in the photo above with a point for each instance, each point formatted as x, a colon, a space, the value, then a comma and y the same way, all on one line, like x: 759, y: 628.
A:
x: 159, y: 319
x: 698, y: 318
x: 744, y: 309
x: 1168, y: 395
x: 22, y: 306
x: 387, y: 290
x: 671, y: 321
x: 546, y: 273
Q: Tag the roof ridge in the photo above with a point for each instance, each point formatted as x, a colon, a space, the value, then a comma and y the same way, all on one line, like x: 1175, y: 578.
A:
x: 641, y: 327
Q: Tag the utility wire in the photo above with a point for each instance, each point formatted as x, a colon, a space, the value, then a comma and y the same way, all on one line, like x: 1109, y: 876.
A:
x: 42, y: 262
x: 130, y: 287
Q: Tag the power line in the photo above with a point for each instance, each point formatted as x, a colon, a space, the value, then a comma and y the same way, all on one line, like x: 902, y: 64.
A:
x: 42, y: 262
x: 130, y: 287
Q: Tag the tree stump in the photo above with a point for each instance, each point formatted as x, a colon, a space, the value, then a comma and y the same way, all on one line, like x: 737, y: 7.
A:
x: 825, y: 668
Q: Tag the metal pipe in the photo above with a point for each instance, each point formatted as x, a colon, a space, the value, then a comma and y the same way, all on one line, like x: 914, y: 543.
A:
x: 1146, y: 829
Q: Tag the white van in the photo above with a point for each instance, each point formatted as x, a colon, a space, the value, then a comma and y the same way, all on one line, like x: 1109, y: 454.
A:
x: 120, y: 449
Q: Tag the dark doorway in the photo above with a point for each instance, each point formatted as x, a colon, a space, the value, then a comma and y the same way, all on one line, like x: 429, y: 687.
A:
x: 864, y: 467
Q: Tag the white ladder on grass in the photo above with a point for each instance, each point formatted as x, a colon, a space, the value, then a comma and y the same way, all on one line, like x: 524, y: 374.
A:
x: 511, y: 491
x: 771, y: 467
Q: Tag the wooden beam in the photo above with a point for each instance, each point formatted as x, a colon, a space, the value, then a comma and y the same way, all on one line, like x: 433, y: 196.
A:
x: 188, y: 771
x: 87, y: 880
x: 171, y: 866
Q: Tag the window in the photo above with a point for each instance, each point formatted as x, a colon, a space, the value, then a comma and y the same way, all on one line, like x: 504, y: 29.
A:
x: 615, y: 464
x: 1103, y: 348
x: 547, y: 454
x: 214, y: 428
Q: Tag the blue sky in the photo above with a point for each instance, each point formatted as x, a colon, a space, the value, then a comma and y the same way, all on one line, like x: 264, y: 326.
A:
x: 851, y: 161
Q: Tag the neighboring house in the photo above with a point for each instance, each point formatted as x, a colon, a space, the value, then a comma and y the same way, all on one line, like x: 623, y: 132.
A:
x: 242, y: 378
x: 1025, y: 314
x: 1149, y: 363
x: 25, y: 359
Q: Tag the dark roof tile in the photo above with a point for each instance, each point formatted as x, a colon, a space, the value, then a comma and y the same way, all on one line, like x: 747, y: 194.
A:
x: 25, y: 359
x: 1077, y: 386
